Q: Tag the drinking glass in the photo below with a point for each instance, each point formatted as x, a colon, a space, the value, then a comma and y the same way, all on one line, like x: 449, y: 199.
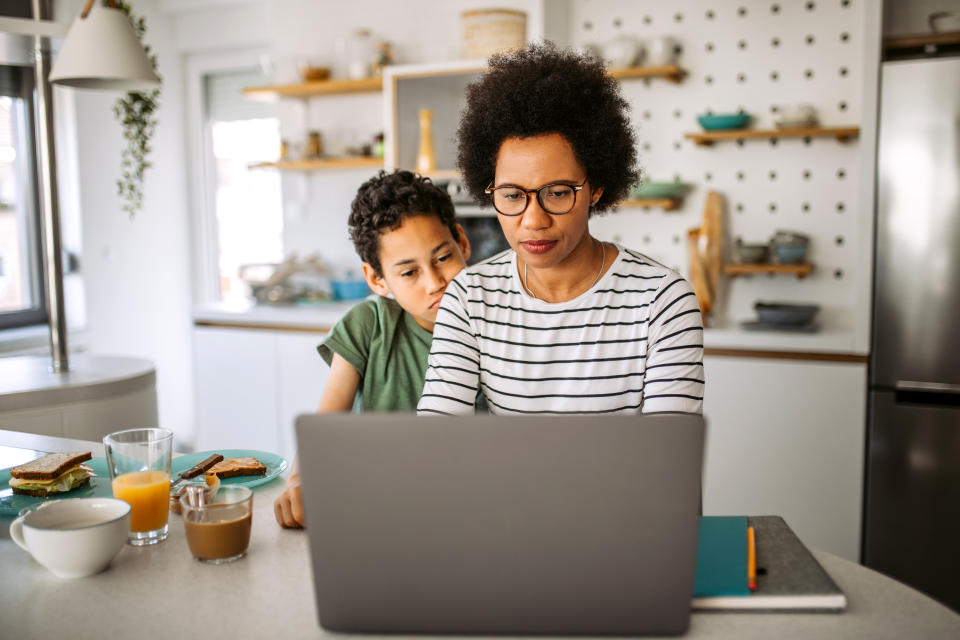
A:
x: 139, y: 464
x: 218, y: 529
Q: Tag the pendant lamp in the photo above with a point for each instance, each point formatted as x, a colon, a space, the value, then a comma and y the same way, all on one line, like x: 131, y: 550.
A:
x: 102, y: 51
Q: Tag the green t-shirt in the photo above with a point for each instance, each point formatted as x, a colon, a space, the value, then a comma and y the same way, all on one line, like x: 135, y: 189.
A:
x: 387, y: 347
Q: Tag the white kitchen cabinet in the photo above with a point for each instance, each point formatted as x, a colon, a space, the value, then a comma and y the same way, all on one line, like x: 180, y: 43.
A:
x: 251, y: 383
x: 301, y: 376
x: 786, y: 437
x: 236, y: 386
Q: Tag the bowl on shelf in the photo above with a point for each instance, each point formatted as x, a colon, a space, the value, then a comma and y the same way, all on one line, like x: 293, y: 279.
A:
x: 796, y: 116
x: 785, y: 314
x: 789, y: 247
x: 349, y: 289
x: 789, y: 255
x: 751, y: 253
x: 789, y: 239
x: 723, y: 121
x: 658, y: 190
x: 312, y: 73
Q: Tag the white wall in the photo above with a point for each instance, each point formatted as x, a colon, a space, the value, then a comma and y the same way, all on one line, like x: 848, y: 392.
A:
x: 137, y: 271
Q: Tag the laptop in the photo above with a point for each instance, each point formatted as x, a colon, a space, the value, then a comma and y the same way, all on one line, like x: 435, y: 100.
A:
x: 502, y: 525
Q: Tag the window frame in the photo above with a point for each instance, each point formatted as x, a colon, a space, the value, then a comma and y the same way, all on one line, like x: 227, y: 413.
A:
x: 37, y: 314
x: 202, y: 167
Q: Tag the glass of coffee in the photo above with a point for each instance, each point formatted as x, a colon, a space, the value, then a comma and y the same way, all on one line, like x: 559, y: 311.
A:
x: 217, y: 528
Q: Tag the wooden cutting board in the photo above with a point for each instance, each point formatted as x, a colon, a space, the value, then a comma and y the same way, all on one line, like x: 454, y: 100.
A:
x: 705, y: 246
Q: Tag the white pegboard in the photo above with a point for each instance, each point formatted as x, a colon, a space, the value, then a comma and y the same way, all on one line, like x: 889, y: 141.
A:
x: 751, y: 55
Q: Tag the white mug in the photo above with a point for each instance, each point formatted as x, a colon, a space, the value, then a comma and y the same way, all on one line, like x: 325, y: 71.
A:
x: 623, y: 51
x: 663, y: 51
x: 803, y: 112
x: 74, y: 538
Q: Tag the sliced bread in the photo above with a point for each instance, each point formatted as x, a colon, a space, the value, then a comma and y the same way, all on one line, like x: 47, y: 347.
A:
x: 49, y: 466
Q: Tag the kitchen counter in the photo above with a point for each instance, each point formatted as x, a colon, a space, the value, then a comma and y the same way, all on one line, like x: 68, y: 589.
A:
x: 317, y: 317
x: 837, y: 341
x: 161, y: 592
x: 719, y: 339
x: 98, y: 395
x: 27, y: 382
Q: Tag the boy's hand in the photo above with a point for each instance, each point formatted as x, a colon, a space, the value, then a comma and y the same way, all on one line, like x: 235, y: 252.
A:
x: 338, y: 395
x: 288, y: 508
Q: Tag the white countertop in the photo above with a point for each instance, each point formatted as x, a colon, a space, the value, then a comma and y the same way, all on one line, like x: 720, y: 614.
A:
x: 827, y: 340
x: 161, y: 592
x: 319, y: 317
x: 322, y: 317
x: 27, y: 382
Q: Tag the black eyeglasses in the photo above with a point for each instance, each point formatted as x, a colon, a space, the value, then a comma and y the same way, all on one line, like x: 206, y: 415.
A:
x: 556, y: 198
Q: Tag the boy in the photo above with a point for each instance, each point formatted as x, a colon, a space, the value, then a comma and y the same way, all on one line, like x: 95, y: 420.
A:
x: 404, y: 229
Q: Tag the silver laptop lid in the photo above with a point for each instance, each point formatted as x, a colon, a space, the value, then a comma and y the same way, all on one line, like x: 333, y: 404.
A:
x: 484, y: 524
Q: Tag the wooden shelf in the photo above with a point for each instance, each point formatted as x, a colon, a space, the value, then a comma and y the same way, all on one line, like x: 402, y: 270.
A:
x: 667, y: 204
x: 920, y: 40
x: 320, y: 88
x: 320, y: 164
x: 799, y: 270
x: 842, y: 134
x: 442, y: 174
x: 671, y: 72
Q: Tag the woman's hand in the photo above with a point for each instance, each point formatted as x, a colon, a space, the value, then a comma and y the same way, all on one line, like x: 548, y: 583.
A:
x: 288, y: 508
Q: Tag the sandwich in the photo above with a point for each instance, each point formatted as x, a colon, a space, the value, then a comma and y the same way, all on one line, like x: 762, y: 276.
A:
x: 230, y: 467
x: 52, y: 474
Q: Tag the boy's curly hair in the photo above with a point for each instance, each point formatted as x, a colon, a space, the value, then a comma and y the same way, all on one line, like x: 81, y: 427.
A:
x: 384, y: 201
x: 540, y: 90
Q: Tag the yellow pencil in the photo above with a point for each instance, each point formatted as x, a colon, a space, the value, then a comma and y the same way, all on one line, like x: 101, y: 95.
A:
x: 751, y: 560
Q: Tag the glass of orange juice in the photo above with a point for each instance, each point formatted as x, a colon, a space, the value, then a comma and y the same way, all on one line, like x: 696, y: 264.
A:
x: 139, y: 464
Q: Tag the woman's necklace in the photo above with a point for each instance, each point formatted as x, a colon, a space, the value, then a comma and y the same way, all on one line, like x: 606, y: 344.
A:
x: 603, y: 260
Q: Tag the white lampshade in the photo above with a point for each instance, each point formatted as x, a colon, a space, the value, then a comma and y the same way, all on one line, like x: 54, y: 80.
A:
x: 102, y: 51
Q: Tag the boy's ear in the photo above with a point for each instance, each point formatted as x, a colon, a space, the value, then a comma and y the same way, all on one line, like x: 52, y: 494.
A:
x: 376, y: 283
x: 463, y: 242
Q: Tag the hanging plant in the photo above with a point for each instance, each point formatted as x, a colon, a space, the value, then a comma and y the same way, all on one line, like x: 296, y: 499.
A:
x: 137, y: 113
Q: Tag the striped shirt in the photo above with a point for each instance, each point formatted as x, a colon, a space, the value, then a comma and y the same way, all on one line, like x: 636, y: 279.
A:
x: 632, y: 342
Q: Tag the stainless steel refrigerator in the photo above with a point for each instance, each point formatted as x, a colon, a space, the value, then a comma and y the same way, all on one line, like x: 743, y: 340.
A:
x: 912, y: 500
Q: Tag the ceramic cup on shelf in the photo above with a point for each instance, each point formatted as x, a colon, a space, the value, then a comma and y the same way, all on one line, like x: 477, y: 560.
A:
x: 590, y: 50
x: 663, y: 51
x: 623, y: 52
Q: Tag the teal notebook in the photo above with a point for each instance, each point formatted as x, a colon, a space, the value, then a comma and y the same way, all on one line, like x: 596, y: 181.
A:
x: 789, y: 578
x: 721, y: 557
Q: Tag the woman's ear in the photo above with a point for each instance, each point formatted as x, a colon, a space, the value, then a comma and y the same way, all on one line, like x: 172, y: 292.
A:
x: 595, y: 195
x: 376, y: 282
x: 463, y: 242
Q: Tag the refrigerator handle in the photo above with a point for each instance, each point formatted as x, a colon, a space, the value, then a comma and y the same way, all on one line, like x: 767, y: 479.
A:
x: 926, y: 387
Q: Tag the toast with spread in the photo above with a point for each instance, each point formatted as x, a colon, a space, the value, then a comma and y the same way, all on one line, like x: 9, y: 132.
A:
x: 230, y: 467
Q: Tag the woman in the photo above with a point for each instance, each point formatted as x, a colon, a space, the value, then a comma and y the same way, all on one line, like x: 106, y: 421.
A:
x: 561, y: 322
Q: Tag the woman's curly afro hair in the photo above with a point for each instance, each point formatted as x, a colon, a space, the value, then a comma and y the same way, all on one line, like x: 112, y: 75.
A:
x: 382, y: 204
x: 543, y: 89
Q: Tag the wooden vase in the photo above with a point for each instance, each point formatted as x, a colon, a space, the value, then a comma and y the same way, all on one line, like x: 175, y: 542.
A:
x: 426, y: 158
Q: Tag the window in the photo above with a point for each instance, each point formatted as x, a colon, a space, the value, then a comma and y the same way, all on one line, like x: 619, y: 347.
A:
x: 21, y: 292
x: 247, y: 202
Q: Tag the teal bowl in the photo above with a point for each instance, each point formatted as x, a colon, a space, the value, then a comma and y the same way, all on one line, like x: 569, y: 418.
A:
x: 790, y: 255
x: 658, y: 190
x: 350, y: 290
x: 722, y: 121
